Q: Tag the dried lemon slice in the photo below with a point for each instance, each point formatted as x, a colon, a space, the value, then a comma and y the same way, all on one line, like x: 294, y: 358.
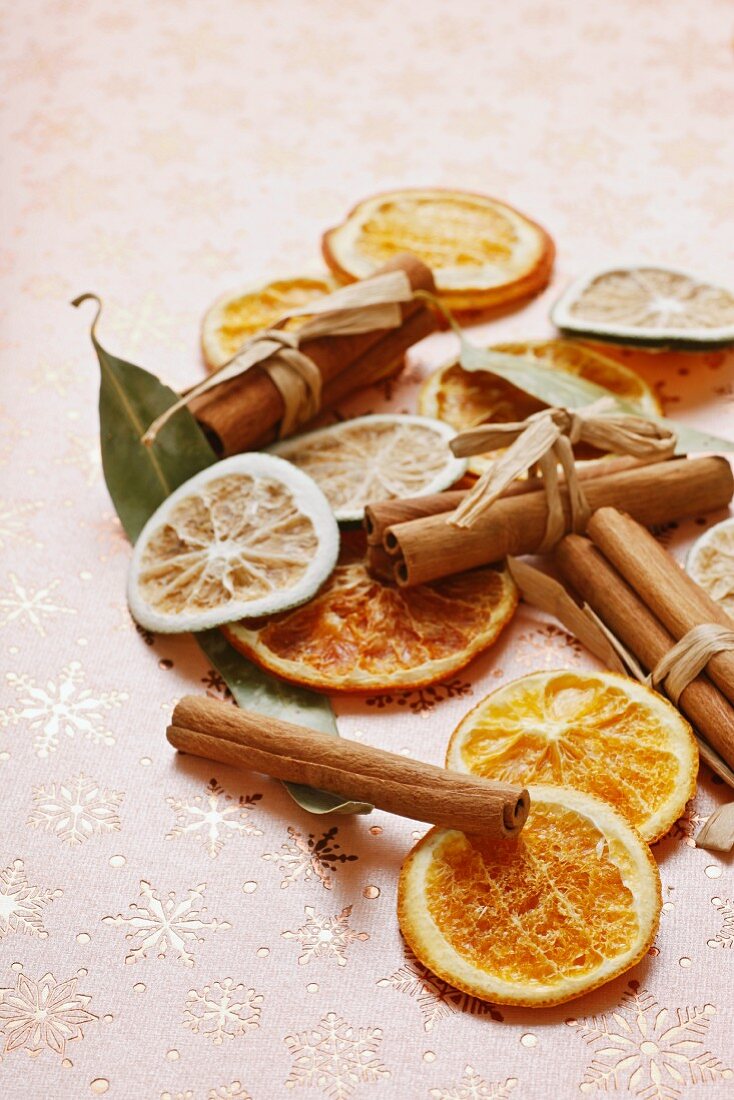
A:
x: 647, y: 304
x: 569, y: 904
x: 375, y: 458
x: 360, y: 634
x: 237, y: 315
x: 465, y: 398
x: 248, y: 536
x: 711, y: 563
x: 596, y: 731
x: 483, y: 253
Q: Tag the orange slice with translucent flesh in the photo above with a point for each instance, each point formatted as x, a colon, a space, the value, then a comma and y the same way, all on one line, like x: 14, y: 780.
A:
x: 467, y: 398
x: 236, y: 316
x: 483, y: 253
x: 569, y: 904
x: 596, y: 731
x: 361, y: 634
x: 710, y: 562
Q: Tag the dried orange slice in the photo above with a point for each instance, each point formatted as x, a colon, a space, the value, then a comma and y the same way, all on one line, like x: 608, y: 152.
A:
x: 569, y: 904
x: 373, y: 458
x: 239, y: 314
x: 465, y: 398
x: 483, y: 253
x: 249, y: 535
x: 711, y: 563
x: 596, y: 731
x: 648, y: 305
x: 361, y: 634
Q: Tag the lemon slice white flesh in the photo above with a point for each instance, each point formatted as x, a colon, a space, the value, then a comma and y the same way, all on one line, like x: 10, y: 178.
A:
x: 248, y: 536
x: 647, y: 304
x: 710, y: 563
x: 373, y: 458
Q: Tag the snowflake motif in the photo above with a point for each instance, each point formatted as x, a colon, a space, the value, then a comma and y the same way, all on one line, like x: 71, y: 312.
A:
x: 112, y: 249
x: 216, y: 687
x: 126, y: 622
x: 160, y: 924
x: 62, y: 708
x: 213, y: 817
x: 59, y: 377
x: 687, y: 825
x: 13, y: 521
x: 335, y: 1057
x: 36, y: 1015
x: 76, y: 809
x: 235, y: 1090
x: 549, y: 639
x: 643, y: 1048
x: 22, y: 604
x: 148, y: 320
x: 725, y: 936
x: 421, y: 700
x: 83, y: 454
x: 325, y: 937
x: 309, y: 858
x: 436, y: 998
x: 473, y: 1087
x: 21, y: 905
x: 222, y: 1010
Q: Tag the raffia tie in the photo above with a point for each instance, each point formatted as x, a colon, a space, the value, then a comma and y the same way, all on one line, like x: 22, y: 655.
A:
x: 689, y: 656
x: 545, y: 440
x: 365, y: 306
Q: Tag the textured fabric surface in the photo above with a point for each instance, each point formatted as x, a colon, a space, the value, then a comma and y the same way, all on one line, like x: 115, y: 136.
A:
x: 173, y: 929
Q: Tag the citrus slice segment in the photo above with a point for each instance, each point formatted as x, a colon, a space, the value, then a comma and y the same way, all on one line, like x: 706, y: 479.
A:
x: 569, y: 904
x: 595, y: 731
x: 649, y: 305
x: 711, y: 563
x: 249, y: 535
x: 483, y: 253
x: 465, y: 398
x: 361, y: 634
x: 239, y: 314
x: 375, y: 458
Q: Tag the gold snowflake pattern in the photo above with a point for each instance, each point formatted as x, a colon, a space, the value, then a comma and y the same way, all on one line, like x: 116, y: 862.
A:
x: 335, y: 1057
x: 325, y: 937
x: 648, y: 1050
x: 235, y: 1090
x: 725, y: 936
x: 61, y: 708
x: 83, y: 454
x: 60, y: 377
x: 13, y: 526
x: 687, y: 825
x: 163, y: 924
x: 43, y: 1014
x: 554, y: 643
x: 216, y: 688
x: 422, y: 700
x: 22, y: 605
x: 222, y: 1010
x: 436, y: 998
x: 308, y: 858
x: 213, y: 817
x: 473, y: 1087
x: 75, y: 809
x: 22, y: 905
x: 148, y: 320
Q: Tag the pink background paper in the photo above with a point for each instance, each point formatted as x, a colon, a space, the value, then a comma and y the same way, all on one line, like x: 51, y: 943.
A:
x: 158, y: 153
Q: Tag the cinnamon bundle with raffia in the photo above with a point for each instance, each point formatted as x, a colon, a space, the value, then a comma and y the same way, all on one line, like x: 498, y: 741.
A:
x: 245, y: 412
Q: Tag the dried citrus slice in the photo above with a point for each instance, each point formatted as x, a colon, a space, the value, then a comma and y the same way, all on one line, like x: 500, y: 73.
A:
x: 237, y: 315
x: 596, y: 731
x: 249, y: 535
x: 375, y: 458
x: 361, y: 634
x: 465, y: 398
x: 483, y: 253
x: 711, y: 563
x: 649, y: 305
x: 569, y: 904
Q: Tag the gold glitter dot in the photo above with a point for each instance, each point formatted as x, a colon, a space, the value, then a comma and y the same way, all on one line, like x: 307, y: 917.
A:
x: 83, y: 937
x: 108, y: 1018
x: 684, y: 961
x: 262, y: 952
x: 83, y: 642
x: 145, y: 761
x: 416, y: 834
x: 99, y: 1085
x: 429, y: 1056
x: 67, y: 1063
x: 4, y: 755
x: 528, y: 1039
x: 85, y: 575
x: 668, y: 906
x: 117, y: 861
x: 139, y: 987
x: 712, y: 871
x: 16, y: 966
x: 312, y: 987
x: 249, y: 887
x: 376, y: 830
x: 371, y: 892
x: 165, y: 663
x: 654, y: 952
x: 82, y: 971
x: 172, y: 1055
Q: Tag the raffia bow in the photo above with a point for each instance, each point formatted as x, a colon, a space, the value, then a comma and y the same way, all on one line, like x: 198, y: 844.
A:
x: 545, y: 440
x: 365, y: 306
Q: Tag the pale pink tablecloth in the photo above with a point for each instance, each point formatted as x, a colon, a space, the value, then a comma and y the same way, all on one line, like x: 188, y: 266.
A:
x: 158, y: 153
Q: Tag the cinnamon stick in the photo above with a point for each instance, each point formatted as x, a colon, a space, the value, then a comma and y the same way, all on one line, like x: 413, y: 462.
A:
x: 209, y: 728
x: 428, y: 548
x: 621, y: 610
x: 243, y: 414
